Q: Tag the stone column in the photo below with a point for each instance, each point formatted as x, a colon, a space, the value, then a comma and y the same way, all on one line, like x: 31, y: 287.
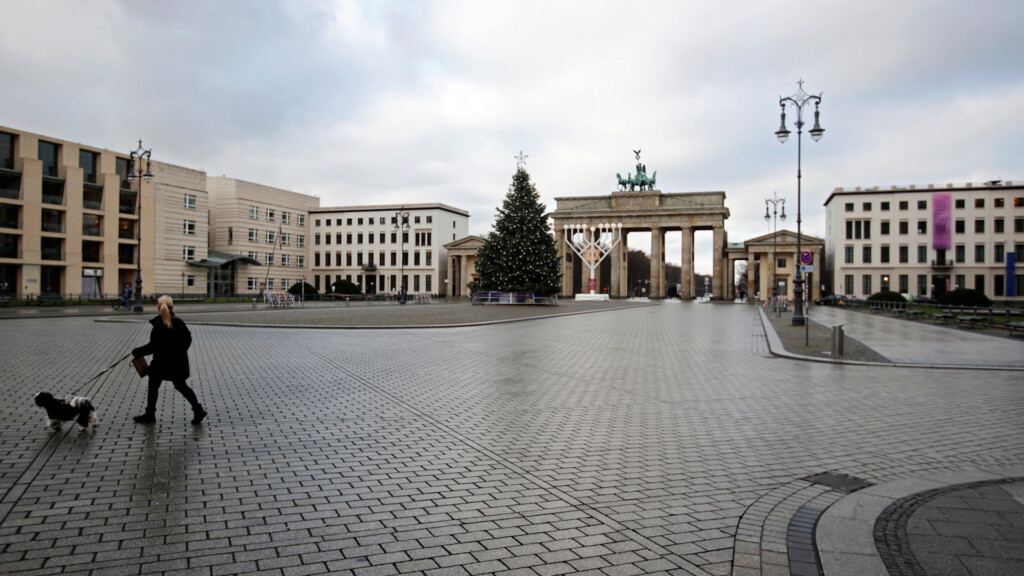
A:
x: 565, y: 257
x: 613, y: 263
x: 657, y: 289
x: 686, y: 265
x: 718, y: 266
x: 463, y: 276
x: 623, y: 263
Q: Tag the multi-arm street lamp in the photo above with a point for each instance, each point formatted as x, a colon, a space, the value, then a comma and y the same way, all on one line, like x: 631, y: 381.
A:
x: 136, y: 173
x: 798, y: 100
x: 402, y: 225
x: 773, y: 217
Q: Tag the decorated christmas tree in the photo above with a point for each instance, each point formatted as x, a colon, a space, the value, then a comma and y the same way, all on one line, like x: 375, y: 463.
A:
x: 520, y: 254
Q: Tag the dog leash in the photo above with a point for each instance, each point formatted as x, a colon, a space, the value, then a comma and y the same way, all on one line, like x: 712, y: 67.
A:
x: 107, y: 369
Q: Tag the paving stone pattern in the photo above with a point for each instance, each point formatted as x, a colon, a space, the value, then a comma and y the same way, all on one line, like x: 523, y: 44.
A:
x: 640, y: 441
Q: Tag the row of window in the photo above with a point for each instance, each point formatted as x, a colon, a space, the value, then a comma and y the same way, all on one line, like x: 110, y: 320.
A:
x: 959, y: 251
x: 48, y: 154
x: 427, y: 260
x: 924, y: 287
x: 371, y: 220
x: 253, y: 283
x: 271, y: 216
x: 861, y: 229
x: 419, y: 238
x: 271, y: 237
x: 959, y: 203
x: 376, y: 283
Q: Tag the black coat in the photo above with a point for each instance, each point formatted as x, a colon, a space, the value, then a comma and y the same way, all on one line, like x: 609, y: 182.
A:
x: 169, y: 347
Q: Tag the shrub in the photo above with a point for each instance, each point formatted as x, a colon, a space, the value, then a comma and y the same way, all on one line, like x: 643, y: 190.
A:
x: 296, y: 289
x: 886, y: 296
x: 346, y: 287
x: 965, y: 297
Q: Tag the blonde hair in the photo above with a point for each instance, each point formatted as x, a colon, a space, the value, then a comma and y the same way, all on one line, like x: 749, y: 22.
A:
x: 165, y: 305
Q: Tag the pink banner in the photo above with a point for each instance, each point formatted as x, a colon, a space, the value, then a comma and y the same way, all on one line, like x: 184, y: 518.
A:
x: 942, y: 221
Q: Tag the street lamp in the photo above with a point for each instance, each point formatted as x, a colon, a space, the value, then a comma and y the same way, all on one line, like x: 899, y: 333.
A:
x: 402, y: 225
x: 133, y: 175
x: 798, y: 100
x: 775, y: 201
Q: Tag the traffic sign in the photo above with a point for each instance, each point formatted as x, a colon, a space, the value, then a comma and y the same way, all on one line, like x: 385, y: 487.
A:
x: 806, y: 257
x: 807, y: 268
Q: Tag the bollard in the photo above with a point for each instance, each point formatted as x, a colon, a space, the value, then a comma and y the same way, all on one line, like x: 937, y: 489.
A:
x: 253, y: 303
x: 837, y: 341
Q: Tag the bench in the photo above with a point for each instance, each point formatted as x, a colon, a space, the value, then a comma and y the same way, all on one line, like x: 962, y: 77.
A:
x: 50, y: 299
x: 971, y: 321
x: 914, y: 313
x: 942, y: 317
x: 1014, y: 326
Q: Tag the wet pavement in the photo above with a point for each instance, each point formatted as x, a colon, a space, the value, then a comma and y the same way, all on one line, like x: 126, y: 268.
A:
x: 643, y: 440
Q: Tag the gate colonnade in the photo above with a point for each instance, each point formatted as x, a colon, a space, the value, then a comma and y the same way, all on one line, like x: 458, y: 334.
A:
x: 657, y: 213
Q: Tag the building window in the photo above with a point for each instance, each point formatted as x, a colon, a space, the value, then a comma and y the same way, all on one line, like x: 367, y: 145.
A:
x: 866, y: 284
x: 904, y: 254
x: 286, y: 239
x: 189, y: 227
x: 780, y: 263
x: 1000, y: 284
x: 337, y: 259
x: 979, y: 202
x: 885, y: 228
x: 300, y: 219
x: 922, y: 204
x: 190, y: 201
x: 885, y: 206
x: 189, y: 252
x: 922, y: 254
x: 359, y: 221
x: 253, y: 235
x: 316, y: 239
x: 316, y: 259
x: 959, y: 203
x: 317, y: 223
x: 429, y: 262
x: 416, y: 258
x: 883, y: 256
x: 251, y: 284
x: 922, y: 285
x: 848, y: 284
x: 848, y: 207
x: 271, y: 237
x: 904, y: 227
x: 904, y: 281
x: 48, y: 155
x: 190, y: 281
x: 348, y: 259
x: 867, y: 207
x: 271, y: 214
x: 922, y: 226
x: 848, y: 255
x: 327, y: 239
x: 1018, y: 225
x: 327, y: 222
x: 300, y: 240
x: 359, y: 238
x: 979, y: 226
x: 1000, y: 254
x: 960, y: 254
x: 300, y: 261
x: 904, y: 205
x: 959, y: 227
x: 268, y: 259
x: 286, y: 260
x: 416, y: 220
x: 286, y: 217
x: 254, y: 213
x: 270, y: 283
x: 416, y: 277
x: 960, y: 281
x: 999, y: 225
x: 999, y: 203
x: 979, y: 253
x: 254, y: 255
x: 866, y: 255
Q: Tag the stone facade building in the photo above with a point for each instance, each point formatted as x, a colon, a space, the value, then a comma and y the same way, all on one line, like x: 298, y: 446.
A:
x: 927, y: 241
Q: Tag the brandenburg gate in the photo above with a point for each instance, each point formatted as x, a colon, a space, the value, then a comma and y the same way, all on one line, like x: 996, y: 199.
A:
x: 641, y: 208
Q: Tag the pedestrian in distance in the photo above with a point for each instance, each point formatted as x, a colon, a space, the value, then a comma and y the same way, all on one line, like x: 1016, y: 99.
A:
x: 169, y: 342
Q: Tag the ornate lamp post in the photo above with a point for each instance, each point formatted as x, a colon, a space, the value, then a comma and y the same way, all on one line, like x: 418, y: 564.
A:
x: 775, y: 201
x: 133, y: 175
x: 402, y: 225
x: 798, y: 100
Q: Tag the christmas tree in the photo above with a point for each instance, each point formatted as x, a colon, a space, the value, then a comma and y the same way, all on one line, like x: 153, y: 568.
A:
x: 520, y: 254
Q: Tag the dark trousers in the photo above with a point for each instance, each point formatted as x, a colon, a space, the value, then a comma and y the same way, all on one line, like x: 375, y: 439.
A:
x: 179, y: 385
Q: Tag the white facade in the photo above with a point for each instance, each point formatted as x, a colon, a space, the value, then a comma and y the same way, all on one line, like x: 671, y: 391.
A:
x: 362, y: 244
x: 902, y: 239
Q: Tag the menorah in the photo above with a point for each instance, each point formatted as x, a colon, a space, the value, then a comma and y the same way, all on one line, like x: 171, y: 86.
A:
x: 592, y: 244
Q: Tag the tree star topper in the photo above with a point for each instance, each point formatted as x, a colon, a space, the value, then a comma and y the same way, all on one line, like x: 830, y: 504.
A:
x: 521, y: 159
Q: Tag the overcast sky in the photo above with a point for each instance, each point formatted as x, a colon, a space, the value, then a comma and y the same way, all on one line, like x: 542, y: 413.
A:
x: 391, y: 102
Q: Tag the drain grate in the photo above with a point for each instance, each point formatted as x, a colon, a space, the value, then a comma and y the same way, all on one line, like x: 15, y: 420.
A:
x: 841, y: 482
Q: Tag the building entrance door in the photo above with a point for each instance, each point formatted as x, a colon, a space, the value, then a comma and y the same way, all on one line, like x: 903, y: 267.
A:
x: 371, y: 284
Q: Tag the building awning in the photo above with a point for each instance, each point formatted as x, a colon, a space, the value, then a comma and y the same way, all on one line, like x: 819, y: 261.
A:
x: 218, y: 259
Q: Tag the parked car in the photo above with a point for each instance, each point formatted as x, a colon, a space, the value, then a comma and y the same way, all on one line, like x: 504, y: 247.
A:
x: 830, y: 300
x: 847, y: 300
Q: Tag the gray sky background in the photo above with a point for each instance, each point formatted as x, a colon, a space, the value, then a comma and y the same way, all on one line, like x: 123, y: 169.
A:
x: 391, y: 102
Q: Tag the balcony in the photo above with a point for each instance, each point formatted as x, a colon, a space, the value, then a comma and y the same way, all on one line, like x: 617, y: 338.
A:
x: 942, y: 264
x: 369, y: 267
x: 10, y: 184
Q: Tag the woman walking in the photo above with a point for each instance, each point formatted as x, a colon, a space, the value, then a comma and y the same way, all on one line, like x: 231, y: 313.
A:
x: 169, y: 342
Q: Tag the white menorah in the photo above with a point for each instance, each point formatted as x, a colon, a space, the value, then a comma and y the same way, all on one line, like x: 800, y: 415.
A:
x: 592, y: 244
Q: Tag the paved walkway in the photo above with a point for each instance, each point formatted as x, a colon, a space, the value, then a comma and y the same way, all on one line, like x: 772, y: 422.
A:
x: 646, y: 440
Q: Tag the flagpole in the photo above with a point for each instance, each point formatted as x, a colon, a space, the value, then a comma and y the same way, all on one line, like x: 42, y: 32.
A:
x: 273, y: 252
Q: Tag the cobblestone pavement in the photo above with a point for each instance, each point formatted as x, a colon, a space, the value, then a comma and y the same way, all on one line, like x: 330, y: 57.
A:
x: 661, y: 439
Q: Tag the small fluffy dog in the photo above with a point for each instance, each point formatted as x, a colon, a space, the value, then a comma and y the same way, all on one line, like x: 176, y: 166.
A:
x: 59, y: 411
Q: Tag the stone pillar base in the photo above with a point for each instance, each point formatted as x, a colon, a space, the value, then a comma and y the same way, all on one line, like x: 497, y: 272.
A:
x: 592, y: 297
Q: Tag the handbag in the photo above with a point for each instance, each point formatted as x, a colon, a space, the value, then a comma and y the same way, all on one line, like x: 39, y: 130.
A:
x: 141, y: 365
